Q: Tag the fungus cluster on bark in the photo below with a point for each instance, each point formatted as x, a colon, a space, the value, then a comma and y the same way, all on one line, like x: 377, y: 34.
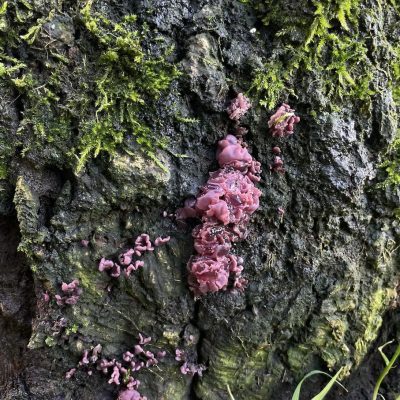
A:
x: 126, y: 263
x: 281, y: 124
x: 188, y: 367
x: 224, y: 205
x: 70, y: 293
x: 120, y: 372
x: 227, y: 201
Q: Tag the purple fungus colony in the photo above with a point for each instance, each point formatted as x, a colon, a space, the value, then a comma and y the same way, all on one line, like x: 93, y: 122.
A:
x: 71, y: 293
x: 238, y: 107
x: 188, y: 367
x: 142, y: 245
x: 227, y: 201
x: 224, y: 205
x: 120, y: 372
x: 281, y: 124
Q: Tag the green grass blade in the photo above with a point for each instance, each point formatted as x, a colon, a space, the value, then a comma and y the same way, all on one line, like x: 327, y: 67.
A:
x: 230, y: 393
x: 383, y: 354
x: 322, y: 394
x: 385, y: 372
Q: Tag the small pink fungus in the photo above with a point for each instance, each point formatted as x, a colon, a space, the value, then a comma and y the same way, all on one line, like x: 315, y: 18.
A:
x: 238, y: 107
x: 70, y: 373
x: 282, y: 123
x: 143, y: 339
x: 160, y: 241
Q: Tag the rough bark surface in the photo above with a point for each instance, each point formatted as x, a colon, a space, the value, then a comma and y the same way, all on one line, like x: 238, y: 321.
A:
x: 321, y: 279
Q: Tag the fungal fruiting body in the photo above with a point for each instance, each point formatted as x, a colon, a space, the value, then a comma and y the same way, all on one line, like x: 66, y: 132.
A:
x: 227, y: 201
x: 126, y: 263
x: 188, y: 367
x: 120, y: 372
x: 238, y: 107
x: 224, y: 205
x: 281, y: 124
x: 71, y: 293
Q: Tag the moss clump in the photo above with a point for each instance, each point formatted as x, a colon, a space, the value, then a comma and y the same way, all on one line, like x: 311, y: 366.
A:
x: 323, y: 42
x: 371, y: 320
x: 129, y: 78
x: 88, y: 95
x: 392, y: 164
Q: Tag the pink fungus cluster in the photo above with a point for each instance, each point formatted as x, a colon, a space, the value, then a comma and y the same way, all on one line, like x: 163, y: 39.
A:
x: 224, y: 204
x: 238, y: 107
x: 277, y: 165
x: 70, y: 293
x: 188, y: 367
x: 126, y: 263
x: 281, y: 124
x: 120, y: 372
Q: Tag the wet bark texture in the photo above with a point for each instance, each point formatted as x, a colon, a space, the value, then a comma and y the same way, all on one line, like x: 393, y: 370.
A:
x: 321, y: 280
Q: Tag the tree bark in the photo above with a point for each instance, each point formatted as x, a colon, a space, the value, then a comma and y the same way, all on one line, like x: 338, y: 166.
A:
x: 321, y: 278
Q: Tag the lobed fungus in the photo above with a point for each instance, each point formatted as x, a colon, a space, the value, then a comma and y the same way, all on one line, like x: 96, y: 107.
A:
x: 126, y: 263
x: 276, y: 150
x: 277, y: 165
x: 238, y: 107
x: 188, y: 367
x: 160, y: 241
x: 224, y: 205
x: 71, y: 293
x: 281, y: 124
x: 120, y: 371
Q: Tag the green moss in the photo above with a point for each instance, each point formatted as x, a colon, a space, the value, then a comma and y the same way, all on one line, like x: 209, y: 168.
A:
x: 371, y: 311
x: 3, y: 171
x: 395, y: 68
x: 96, y: 101
x: 242, y: 370
x: 324, y: 44
x: 128, y: 79
x: 392, y: 164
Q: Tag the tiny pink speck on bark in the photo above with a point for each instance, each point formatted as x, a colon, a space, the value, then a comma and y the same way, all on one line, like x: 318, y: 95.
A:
x: 160, y: 241
x: 70, y: 373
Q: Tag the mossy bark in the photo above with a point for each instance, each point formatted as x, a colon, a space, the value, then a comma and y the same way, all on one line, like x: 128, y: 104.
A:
x: 320, y: 279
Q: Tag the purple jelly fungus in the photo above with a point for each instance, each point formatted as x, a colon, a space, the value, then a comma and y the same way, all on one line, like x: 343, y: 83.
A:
x: 224, y: 205
x: 129, y: 394
x: 277, y: 165
x: 119, y: 372
x: 238, y: 107
x: 160, y: 241
x: 144, y: 340
x: 276, y: 150
x: 70, y: 293
x: 281, y: 124
x: 127, y: 261
x: 105, y: 265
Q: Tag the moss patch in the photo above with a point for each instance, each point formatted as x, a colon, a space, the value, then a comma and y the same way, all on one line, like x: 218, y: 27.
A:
x: 324, y: 43
x: 86, y: 96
